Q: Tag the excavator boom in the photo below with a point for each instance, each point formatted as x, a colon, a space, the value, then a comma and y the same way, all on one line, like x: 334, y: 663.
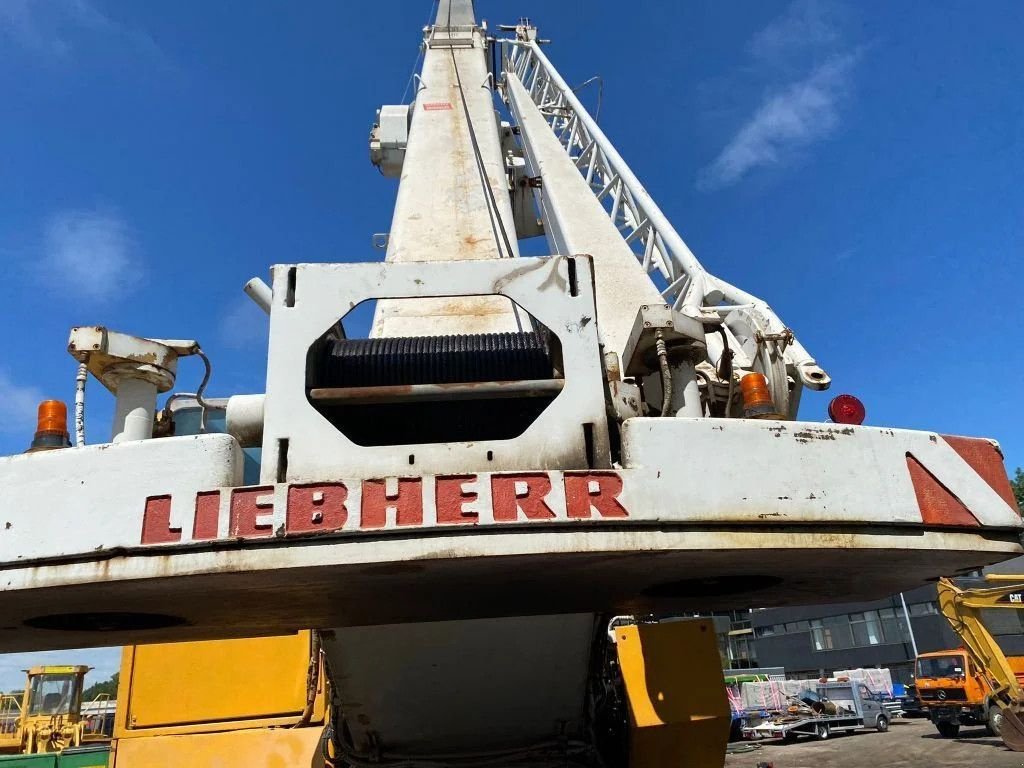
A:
x: 963, y: 606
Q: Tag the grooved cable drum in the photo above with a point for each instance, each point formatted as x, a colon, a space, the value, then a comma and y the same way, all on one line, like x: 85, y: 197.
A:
x: 435, y: 359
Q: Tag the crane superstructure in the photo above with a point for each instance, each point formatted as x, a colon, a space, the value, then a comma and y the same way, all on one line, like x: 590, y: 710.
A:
x: 521, y: 449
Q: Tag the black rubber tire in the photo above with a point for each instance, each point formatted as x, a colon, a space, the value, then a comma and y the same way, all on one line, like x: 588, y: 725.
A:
x: 823, y: 731
x: 948, y: 729
x: 994, y: 723
x: 882, y: 724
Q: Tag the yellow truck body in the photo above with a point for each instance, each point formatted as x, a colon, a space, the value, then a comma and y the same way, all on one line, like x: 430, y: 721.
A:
x: 229, y: 703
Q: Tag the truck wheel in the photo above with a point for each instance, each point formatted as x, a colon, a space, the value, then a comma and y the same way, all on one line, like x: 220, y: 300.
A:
x: 823, y: 731
x: 882, y: 725
x: 948, y: 729
x: 994, y: 723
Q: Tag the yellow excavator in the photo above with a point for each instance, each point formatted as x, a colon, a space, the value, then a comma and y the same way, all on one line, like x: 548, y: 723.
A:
x: 963, y: 605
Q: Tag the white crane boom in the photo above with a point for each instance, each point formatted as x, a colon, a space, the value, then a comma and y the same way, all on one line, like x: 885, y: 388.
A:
x: 453, y: 201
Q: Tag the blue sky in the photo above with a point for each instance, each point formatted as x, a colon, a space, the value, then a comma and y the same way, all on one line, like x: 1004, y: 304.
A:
x: 857, y: 165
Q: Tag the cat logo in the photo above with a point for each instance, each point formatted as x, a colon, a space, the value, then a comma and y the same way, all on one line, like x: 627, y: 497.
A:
x: 1012, y: 598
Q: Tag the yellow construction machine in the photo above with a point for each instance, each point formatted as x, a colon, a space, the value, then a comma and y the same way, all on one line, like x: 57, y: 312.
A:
x: 963, y: 604
x: 49, y: 717
x: 231, y: 703
x: 266, y: 701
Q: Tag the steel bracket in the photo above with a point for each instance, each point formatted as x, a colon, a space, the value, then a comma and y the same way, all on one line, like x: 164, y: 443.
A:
x: 299, y: 444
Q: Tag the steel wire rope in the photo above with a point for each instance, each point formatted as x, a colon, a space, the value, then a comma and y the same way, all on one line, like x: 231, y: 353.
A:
x: 600, y: 93
x: 419, y: 54
x: 492, y: 203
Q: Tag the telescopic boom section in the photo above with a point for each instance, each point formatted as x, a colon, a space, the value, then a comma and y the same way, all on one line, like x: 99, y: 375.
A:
x: 453, y: 200
x: 592, y: 202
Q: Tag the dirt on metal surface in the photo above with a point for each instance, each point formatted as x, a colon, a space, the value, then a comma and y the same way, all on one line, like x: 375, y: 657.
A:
x: 907, y: 744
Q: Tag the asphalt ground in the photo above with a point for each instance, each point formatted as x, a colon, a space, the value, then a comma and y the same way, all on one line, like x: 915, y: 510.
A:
x: 907, y: 744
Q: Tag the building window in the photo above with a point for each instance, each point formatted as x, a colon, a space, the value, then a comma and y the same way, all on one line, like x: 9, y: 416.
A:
x: 842, y: 635
x: 741, y: 652
x: 924, y: 609
x: 858, y: 630
x: 789, y: 628
x: 894, y: 627
x: 821, y: 636
x: 866, y: 628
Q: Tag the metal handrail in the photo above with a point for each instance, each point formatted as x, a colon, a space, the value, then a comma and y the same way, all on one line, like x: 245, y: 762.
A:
x: 10, y: 711
x: 681, y: 279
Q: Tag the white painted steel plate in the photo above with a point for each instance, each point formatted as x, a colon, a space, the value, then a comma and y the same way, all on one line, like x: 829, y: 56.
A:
x: 698, y: 520
x: 74, y: 502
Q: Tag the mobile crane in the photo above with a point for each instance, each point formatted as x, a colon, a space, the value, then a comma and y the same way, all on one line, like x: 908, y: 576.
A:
x: 522, y: 448
x: 963, y: 602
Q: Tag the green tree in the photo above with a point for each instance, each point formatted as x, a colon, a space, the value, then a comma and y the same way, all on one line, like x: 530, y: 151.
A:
x: 1018, y: 487
x: 105, y: 686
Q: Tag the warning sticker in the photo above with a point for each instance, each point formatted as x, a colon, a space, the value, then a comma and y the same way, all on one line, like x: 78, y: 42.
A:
x: 430, y: 106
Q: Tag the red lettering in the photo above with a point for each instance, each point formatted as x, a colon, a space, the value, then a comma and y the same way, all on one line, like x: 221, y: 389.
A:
x: 407, y: 503
x: 316, y: 508
x: 156, y: 522
x: 525, y: 491
x: 593, y: 490
x: 207, y: 519
x: 452, y: 497
x: 247, y: 506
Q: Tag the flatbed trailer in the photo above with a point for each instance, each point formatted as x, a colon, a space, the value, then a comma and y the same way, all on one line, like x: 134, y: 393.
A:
x: 857, y: 709
x: 820, y: 727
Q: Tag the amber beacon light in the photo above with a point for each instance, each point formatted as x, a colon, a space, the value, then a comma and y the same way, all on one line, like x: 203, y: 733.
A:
x: 51, y: 427
x: 757, y: 398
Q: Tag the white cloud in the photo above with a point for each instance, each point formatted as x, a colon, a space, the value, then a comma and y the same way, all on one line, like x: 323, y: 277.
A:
x: 19, y: 23
x: 54, y: 28
x: 805, y: 67
x: 802, y: 113
x: 805, y: 25
x: 17, y: 404
x: 90, y: 255
x: 845, y: 254
x: 243, y: 325
x: 105, y: 662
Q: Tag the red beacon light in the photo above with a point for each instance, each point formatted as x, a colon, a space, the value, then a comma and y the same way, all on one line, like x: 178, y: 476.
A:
x: 846, y: 409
